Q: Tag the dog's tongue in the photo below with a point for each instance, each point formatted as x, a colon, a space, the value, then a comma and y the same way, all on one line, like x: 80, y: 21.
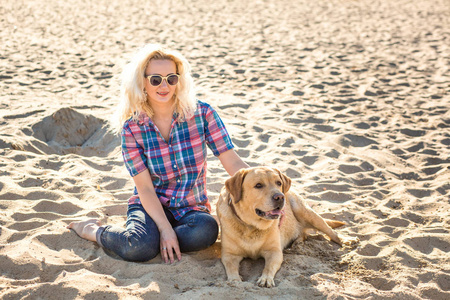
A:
x: 274, y: 213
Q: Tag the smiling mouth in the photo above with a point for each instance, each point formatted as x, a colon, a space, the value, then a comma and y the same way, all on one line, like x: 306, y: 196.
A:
x: 271, y: 215
x: 163, y: 94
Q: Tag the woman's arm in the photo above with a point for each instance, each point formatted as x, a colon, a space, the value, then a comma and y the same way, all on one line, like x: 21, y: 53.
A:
x: 232, y: 162
x: 152, y: 205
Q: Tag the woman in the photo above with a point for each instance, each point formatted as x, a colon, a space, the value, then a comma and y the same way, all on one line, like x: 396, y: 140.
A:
x: 164, y: 133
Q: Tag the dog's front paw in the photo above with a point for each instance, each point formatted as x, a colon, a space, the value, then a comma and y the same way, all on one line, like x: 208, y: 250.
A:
x: 348, y: 241
x: 233, y: 280
x: 266, y: 281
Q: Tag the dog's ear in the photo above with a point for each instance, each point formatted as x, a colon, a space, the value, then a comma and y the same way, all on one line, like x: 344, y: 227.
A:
x: 234, y: 184
x: 285, y: 180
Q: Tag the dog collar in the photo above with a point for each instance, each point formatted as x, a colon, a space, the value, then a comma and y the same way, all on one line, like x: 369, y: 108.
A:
x: 230, y: 203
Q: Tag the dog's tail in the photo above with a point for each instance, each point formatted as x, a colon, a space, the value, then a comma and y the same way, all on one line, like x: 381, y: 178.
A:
x: 335, y: 224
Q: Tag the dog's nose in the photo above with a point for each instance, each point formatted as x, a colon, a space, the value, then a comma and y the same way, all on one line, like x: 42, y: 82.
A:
x: 278, y: 197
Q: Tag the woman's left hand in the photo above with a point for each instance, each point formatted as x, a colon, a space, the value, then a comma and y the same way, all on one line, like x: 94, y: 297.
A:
x: 169, y: 245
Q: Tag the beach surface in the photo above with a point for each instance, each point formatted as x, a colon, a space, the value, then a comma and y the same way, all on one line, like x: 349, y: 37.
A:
x: 349, y: 98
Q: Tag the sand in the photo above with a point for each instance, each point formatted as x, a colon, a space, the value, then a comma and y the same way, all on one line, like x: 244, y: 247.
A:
x: 348, y: 98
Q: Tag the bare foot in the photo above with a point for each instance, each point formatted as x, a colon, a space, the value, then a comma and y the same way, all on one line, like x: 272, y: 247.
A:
x: 86, y: 229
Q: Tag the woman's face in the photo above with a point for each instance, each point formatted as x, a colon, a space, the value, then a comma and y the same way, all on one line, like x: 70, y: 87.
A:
x: 163, y: 93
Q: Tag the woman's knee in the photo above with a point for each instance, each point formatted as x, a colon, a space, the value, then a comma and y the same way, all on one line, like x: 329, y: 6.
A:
x: 140, y: 248
x: 200, y: 233
x: 212, y: 228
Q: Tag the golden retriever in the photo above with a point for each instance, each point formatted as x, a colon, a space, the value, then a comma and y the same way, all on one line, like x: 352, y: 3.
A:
x: 260, y: 216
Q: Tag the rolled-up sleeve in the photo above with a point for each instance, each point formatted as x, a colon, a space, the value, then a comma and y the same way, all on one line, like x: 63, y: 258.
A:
x: 132, y: 152
x: 217, y: 137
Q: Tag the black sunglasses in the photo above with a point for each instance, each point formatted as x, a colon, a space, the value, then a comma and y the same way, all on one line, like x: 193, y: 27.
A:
x: 156, y: 80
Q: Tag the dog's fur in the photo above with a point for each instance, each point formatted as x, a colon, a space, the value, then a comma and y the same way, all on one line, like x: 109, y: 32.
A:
x: 259, y: 217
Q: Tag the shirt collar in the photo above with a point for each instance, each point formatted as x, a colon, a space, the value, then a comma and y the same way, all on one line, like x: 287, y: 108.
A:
x: 144, y: 119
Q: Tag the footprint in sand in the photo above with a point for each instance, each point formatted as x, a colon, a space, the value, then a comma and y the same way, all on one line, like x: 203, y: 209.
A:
x: 21, y: 217
x: 60, y: 289
x: 382, y: 283
x: 369, y: 250
x: 427, y: 244
x: 355, y: 141
x: 27, y: 225
x: 47, y: 210
x: 12, y: 269
x: 64, y: 208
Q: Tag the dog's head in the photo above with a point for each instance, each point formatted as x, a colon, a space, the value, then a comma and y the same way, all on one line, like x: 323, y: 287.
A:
x: 258, y: 195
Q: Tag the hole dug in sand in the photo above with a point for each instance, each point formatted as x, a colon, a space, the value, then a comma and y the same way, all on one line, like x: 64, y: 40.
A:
x: 69, y: 131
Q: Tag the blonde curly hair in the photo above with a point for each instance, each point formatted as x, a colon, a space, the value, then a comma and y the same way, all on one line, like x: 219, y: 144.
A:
x: 133, y: 100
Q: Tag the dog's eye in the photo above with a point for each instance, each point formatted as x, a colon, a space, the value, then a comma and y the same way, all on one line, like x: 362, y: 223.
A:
x: 279, y: 183
x: 258, y: 185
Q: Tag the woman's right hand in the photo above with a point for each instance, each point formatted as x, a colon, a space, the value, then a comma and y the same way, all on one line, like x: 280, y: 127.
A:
x: 169, y: 245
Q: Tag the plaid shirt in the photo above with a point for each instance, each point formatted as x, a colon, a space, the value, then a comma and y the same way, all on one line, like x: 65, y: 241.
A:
x: 177, y: 167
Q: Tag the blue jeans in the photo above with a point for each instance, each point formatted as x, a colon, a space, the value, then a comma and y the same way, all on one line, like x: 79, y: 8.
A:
x: 139, y: 241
